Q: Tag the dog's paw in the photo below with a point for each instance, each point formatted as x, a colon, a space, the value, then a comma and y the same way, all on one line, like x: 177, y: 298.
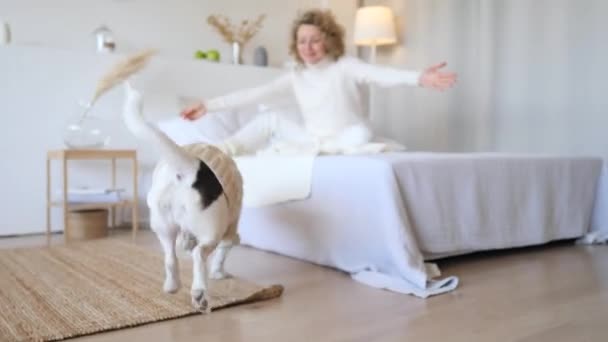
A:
x: 219, y: 274
x: 171, y: 285
x: 199, y: 301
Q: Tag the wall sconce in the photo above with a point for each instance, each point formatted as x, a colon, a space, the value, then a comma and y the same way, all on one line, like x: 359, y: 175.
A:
x: 374, y: 25
x: 105, y: 39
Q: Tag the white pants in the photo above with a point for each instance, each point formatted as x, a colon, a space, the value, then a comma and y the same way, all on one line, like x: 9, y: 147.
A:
x: 275, y: 129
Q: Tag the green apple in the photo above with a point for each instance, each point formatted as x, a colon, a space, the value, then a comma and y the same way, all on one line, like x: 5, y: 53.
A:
x: 213, y: 55
x: 199, y: 54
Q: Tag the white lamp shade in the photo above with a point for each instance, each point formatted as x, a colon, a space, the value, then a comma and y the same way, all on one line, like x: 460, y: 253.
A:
x: 374, y: 25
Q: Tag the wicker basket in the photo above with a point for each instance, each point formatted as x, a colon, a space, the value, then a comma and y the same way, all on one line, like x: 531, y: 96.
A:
x: 88, y: 224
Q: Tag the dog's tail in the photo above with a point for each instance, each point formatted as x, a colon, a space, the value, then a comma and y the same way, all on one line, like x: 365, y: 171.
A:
x: 171, y: 152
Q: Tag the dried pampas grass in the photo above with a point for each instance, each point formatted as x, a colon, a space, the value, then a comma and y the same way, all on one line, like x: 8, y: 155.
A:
x: 236, y: 33
x: 119, y: 73
x: 122, y: 71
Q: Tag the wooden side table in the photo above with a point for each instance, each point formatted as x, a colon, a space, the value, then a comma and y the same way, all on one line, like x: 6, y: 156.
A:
x: 64, y: 156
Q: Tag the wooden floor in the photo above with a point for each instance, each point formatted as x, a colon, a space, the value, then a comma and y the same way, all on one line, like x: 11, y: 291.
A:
x: 551, y: 293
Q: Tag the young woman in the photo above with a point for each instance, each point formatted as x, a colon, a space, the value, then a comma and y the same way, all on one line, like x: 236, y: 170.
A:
x: 325, y: 84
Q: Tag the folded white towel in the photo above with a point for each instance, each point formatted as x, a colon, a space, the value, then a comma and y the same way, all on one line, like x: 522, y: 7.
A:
x: 270, y: 179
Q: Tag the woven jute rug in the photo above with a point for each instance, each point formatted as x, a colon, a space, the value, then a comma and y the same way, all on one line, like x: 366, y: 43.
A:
x: 54, y: 293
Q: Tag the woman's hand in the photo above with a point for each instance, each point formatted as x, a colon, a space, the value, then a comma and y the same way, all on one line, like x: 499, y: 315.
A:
x: 194, y: 112
x: 439, y: 80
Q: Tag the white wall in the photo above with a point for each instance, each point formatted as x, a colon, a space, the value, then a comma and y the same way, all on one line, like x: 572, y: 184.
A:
x: 40, y: 88
x: 177, y: 28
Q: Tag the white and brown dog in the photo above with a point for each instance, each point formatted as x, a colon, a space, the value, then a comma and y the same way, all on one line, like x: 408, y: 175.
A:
x: 194, y: 201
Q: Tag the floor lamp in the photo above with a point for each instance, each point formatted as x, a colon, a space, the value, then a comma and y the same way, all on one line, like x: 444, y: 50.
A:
x: 374, y: 25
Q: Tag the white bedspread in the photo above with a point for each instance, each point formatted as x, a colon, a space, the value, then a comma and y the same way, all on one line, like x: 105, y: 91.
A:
x: 378, y: 217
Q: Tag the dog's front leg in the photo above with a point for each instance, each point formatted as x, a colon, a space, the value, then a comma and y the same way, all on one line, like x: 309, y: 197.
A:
x: 200, y: 281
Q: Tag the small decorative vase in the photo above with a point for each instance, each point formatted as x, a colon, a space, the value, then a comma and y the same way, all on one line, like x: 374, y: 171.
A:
x: 236, y: 53
x: 260, y: 56
x: 5, y: 33
x: 86, y: 131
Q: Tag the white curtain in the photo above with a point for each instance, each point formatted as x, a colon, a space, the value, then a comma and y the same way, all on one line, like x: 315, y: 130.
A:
x: 531, y: 76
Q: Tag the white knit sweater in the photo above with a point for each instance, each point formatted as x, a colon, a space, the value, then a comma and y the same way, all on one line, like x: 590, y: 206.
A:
x: 327, y: 92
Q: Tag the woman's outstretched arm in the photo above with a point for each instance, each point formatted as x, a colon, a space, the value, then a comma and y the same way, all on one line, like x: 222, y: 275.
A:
x: 383, y: 76
x: 238, y: 98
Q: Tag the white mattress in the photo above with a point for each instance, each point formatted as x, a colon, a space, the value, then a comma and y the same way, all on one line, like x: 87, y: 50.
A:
x: 387, y: 213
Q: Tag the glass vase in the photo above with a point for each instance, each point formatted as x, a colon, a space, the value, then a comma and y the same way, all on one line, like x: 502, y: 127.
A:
x: 85, y: 130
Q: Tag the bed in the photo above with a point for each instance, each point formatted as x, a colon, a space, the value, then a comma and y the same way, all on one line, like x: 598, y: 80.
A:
x: 382, y: 218
x: 385, y: 218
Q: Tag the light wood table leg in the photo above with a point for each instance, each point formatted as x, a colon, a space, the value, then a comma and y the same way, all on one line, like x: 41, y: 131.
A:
x: 48, y: 200
x: 113, y: 210
x: 66, y: 228
x: 135, y: 209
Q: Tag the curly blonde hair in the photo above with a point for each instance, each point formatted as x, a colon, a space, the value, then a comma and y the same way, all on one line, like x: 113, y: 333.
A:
x: 326, y: 22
